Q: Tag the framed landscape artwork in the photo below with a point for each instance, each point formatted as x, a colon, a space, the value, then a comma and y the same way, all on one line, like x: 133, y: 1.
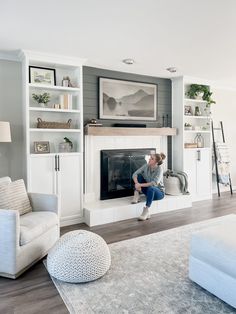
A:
x: 127, y: 100
x: 44, y: 76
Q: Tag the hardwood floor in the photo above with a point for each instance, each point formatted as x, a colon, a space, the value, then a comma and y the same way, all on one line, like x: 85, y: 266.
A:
x: 34, y: 291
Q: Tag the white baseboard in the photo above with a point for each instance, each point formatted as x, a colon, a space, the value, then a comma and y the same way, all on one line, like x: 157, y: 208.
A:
x: 202, y: 198
x: 71, y: 220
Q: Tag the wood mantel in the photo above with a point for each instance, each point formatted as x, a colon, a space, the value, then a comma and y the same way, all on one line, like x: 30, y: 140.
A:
x: 117, y: 131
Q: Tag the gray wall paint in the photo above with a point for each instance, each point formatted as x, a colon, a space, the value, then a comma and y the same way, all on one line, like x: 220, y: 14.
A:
x: 12, y: 154
x: 91, y: 97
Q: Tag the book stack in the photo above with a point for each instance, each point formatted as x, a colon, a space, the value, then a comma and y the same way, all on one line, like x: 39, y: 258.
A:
x: 93, y: 124
x: 66, y: 101
x: 190, y: 145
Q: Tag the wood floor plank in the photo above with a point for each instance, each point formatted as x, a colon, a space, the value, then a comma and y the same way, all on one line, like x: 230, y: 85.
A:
x: 34, y: 291
x: 31, y: 293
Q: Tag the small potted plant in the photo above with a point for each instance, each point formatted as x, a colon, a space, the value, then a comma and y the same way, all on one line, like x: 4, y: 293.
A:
x: 202, y: 92
x: 187, y: 126
x: 42, y: 99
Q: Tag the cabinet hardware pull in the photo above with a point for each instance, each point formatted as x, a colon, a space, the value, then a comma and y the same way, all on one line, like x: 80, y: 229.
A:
x: 58, y: 162
x: 199, y: 155
x: 55, y: 162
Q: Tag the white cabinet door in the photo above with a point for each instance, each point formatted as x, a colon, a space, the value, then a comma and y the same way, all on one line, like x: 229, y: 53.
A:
x: 65, y: 181
x: 203, y: 172
x: 190, y: 169
x: 42, y: 174
x: 197, y: 165
x: 69, y: 178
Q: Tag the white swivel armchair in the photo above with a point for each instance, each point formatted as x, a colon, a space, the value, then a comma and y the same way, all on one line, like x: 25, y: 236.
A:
x: 27, y: 238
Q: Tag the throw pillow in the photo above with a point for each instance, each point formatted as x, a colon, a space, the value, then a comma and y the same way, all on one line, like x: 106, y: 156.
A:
x: 5, y: 180
x: 14, y: 196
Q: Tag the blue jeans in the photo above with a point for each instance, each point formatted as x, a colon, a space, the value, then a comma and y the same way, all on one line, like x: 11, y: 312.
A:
x: 153, y: 193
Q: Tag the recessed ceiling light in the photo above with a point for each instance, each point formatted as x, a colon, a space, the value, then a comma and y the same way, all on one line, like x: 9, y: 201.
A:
x: 128, y: 61
x: 172, y: 69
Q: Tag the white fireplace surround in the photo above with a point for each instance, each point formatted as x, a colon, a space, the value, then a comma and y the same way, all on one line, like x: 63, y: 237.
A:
x: 93, y: 146
x: 97, y: 212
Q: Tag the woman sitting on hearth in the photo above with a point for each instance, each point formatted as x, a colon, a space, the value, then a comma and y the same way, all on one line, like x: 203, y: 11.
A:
x: 149, y: 180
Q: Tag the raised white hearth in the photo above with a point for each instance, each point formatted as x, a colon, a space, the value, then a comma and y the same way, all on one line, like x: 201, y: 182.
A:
x: 98, y: 212
x: 103, y: 212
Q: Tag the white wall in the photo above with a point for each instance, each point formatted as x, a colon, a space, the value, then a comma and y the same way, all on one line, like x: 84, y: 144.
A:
x: 11, y: 154
x: 225, y: 110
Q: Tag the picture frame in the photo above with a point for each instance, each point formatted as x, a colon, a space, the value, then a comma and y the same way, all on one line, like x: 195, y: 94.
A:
x: 41, y: 147
x: 188, y: 111
x: 127, y: 100
x: 42, y: 76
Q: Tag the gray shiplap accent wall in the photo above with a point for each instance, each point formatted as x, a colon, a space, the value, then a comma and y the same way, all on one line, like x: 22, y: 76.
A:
x: 91, y: 97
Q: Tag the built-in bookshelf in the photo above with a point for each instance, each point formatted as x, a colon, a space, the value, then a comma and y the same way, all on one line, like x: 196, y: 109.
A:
x: 192, y: 145
x: 54, y: 150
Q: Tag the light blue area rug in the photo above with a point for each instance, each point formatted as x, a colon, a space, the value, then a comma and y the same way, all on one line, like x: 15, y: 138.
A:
x: 148, y: 274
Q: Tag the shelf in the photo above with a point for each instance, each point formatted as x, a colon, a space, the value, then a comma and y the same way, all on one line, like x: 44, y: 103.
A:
x: 113, y: 131
x: 195, y: 100
x: 54, y: 130
x: 197, y: 131
x: 197, y: 117
x: 52, y: 154
x: 54, y: 110
x: 59, y: 88
x: 199, y: 148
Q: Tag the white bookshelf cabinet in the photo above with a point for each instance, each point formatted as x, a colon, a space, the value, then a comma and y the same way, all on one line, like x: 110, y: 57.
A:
x: 56, y: 171
x: 196, y: 162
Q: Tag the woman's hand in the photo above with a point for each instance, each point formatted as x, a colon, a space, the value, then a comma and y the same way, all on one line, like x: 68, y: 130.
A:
x: 138, y: 187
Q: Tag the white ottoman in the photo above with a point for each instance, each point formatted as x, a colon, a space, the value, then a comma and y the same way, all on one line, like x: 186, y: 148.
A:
x: 79, y: 256
x: 212, y: 262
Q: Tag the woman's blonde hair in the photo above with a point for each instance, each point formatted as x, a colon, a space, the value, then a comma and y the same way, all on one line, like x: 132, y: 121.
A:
x: 159, y: 158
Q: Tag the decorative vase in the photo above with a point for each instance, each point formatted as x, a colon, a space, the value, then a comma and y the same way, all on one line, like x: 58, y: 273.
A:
x: 65, y: 83
x: 42, y: 104
x: 197, y: 111
x: 65, y: 147
x: 199, y: 96
x: 199, y: 140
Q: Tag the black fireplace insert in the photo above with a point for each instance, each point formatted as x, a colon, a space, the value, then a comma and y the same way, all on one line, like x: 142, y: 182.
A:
x: 117, y: 167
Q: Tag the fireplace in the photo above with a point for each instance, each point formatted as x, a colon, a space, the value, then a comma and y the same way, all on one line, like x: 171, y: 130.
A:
x: 117, y: 167
x: 94, y: 144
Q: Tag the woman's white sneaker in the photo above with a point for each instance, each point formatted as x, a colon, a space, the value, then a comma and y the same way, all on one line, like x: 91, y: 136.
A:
x: 136, y: 197
x: 145, y: 214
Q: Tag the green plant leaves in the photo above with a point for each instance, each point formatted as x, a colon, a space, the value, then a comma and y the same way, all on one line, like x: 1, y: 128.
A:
x: 41, y: 98
x: 196, y: 89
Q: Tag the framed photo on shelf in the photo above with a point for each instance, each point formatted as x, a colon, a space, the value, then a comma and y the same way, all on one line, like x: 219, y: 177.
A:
x: 44, y: 76
x: 127, y: 100
x: 41, y: 147
x: 188, y: 111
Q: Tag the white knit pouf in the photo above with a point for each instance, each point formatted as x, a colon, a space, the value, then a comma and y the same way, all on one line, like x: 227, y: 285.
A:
x: 79, y: 256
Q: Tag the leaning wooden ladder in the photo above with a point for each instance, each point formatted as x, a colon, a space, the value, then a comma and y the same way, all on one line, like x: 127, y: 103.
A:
x: 215, y: 155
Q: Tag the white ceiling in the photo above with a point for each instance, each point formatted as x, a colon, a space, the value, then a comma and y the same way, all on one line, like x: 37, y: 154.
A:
x: 196, y: 36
